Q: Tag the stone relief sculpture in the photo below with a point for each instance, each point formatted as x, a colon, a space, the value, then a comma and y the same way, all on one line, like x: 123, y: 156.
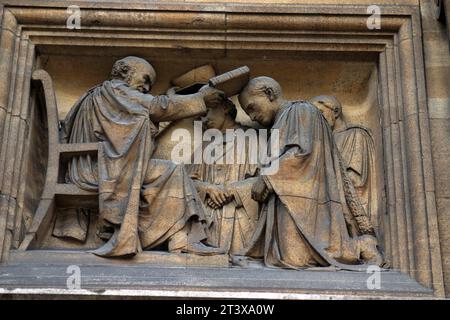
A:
x: 310, y: 215
x: 143, y: 202
x: 226, y: 187
x: 223, y: 185
x: 356, y: 146
x: 313, y: 211
x: 361, y: 179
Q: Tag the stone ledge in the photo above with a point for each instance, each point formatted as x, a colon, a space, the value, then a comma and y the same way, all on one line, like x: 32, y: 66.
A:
x: 114, y: 3
x: 353, y: 7
x: 47, y: 276
x: 149, y: 258
x: 66, y: 294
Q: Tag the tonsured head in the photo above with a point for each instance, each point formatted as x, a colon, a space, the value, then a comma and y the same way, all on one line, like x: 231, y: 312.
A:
x: 330, y: 107
x: 261, y: 99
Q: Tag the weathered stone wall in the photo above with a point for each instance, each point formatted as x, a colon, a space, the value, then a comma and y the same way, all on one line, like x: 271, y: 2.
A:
x: 437, y: 66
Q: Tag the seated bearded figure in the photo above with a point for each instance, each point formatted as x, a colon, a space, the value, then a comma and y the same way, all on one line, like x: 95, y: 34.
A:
x: 143, y: 202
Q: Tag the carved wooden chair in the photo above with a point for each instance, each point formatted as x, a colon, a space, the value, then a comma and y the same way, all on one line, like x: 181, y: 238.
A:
x: 56, y: 191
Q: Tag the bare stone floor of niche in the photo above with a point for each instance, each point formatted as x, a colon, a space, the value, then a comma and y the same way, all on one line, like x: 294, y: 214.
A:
x: 97, y: 275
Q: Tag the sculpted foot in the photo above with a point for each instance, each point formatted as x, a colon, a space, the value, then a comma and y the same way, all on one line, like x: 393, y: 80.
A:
x: 369, y: 251
x: 240, y: 261
x: 202, y: 249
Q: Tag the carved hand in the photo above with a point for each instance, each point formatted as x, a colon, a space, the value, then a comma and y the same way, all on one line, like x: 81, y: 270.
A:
x: 212, y: 204
x: 171, y: 91
x: 211, y: 96
x: 260, y: 191
x: 218, y: 196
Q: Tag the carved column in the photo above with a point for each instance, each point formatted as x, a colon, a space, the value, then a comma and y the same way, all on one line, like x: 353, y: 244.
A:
x: 420, y: 172
x: 17, y: 55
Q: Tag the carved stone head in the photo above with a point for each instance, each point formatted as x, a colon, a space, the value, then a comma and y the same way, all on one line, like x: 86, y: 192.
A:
x: 330, y: 107
x: 261, y: 99
x: 218, y: 113
x: 137, y: 72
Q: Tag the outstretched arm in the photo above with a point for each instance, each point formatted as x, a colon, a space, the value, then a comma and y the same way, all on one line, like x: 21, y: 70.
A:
x: 175, y: 107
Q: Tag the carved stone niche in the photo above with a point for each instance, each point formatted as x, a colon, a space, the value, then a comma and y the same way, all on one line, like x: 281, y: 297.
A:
x: 311, y: 49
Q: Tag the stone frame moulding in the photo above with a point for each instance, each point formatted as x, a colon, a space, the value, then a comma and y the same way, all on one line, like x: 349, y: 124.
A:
x: 412, y: 239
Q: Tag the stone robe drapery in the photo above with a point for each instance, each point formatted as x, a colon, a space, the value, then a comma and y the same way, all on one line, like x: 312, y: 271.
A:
x: 358, y: 152
x: 124, y: 121
x: 232, y: 226
x: 303, y: 222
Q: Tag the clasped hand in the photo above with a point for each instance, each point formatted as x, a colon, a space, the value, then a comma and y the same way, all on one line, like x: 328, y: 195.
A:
x: 211, y: 96
x: 217, y: 196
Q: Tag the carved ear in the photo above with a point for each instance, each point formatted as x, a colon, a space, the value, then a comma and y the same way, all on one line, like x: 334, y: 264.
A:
x: 336, y: 112
x: 124, y: 69
x: 270, y: 94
